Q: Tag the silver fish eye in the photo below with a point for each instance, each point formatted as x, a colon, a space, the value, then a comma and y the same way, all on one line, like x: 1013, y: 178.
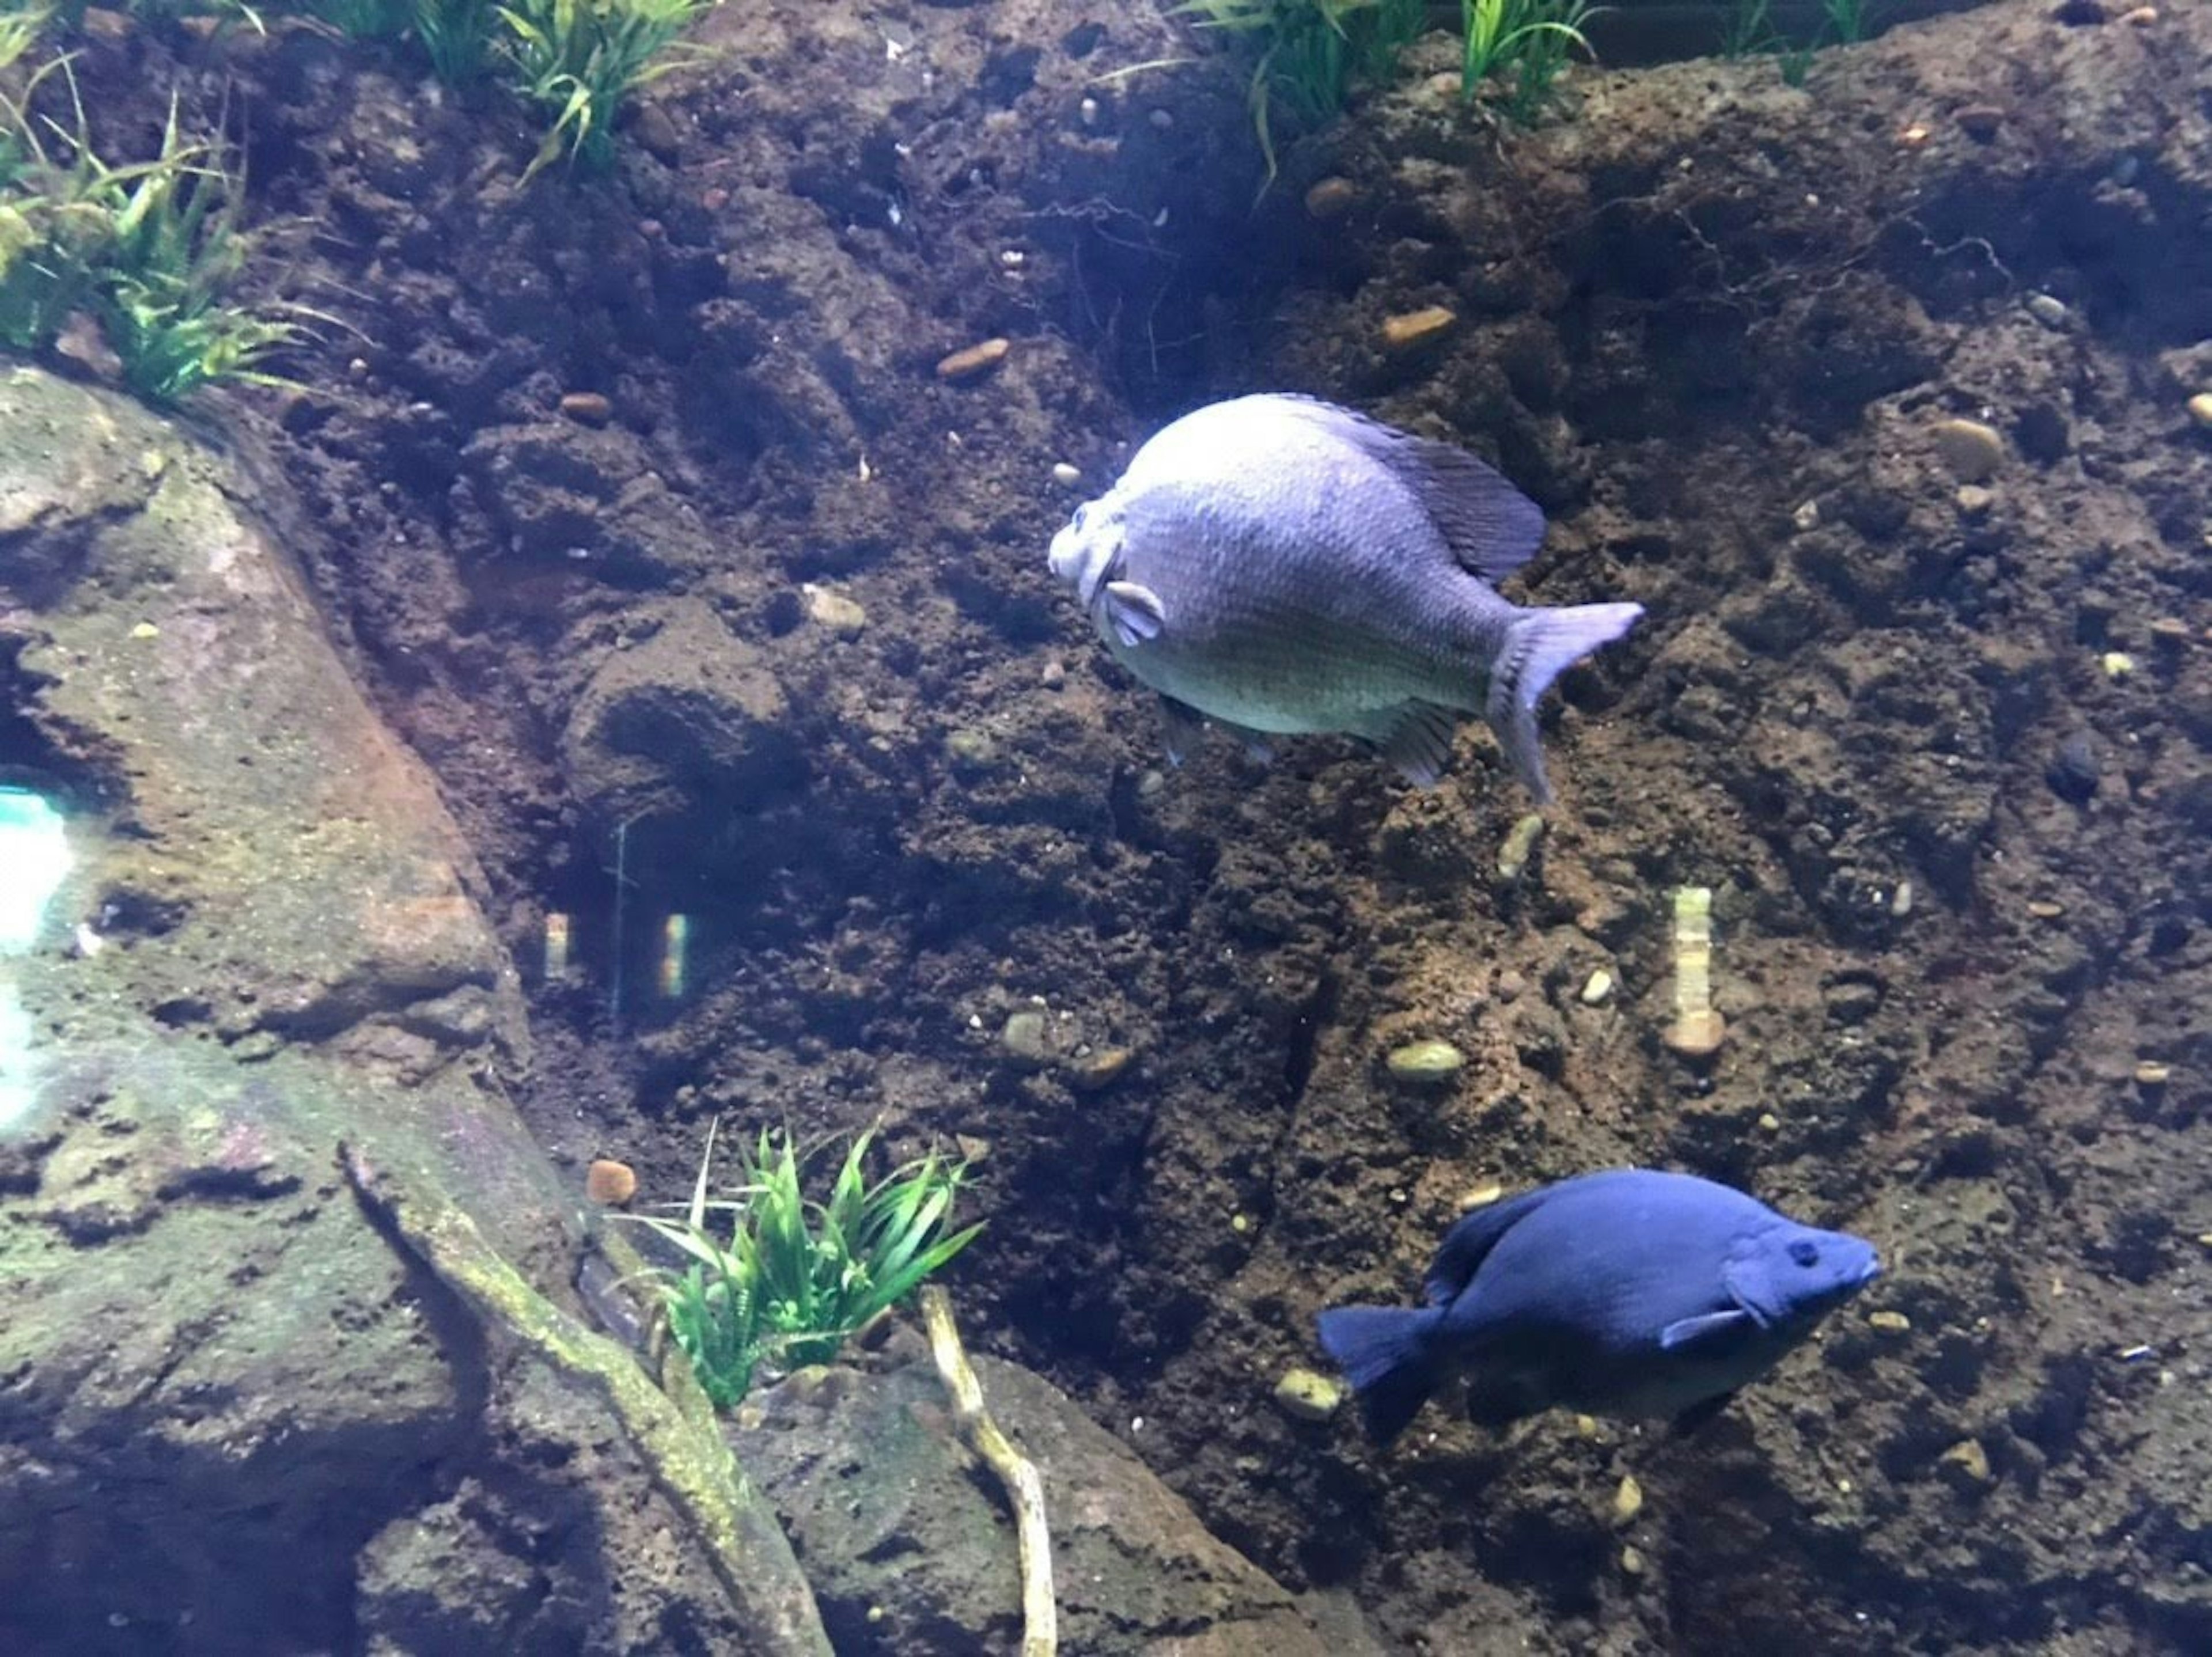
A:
x: 1804, y: 1254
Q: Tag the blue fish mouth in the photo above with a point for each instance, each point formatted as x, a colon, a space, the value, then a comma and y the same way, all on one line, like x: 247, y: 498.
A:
x: 1872, y: 1271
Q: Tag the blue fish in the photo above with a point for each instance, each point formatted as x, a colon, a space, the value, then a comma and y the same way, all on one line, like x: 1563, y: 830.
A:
x: 1630, y: 1292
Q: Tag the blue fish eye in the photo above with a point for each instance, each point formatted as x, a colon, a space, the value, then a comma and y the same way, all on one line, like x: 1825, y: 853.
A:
x: 1804, y: 1254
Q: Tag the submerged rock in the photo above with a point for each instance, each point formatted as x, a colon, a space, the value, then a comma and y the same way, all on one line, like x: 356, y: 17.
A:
x: 910, y: 1552
x: 222, y: 1346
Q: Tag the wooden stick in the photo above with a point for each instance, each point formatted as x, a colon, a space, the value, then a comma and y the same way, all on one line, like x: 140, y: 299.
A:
x: 1025, y: 1490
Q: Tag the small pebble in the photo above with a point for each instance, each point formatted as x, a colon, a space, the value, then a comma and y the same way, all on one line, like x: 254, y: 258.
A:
x: 2072, y: 774
x: 1769, y: 1122
x: 1968, y: 1456
x: 1520, y: 845
x: 145, y: 630
x: 1632, y: 1561
x: 2170, y: 630
x: 1053, y: 676
x: 2044, y: 909
x: 1425, y: 1064
x: 1162, y: 120
x: 2142, y: 17
x: 1980, y: 122
x: 2117, y: 664
x: 1026, y: 1038
x: 610, y: 1183
x: 842, y: 616
x: 973, y: 1148
x: 1974, y: 501
x: 1596, y: 988
x: 1416, y: 328
x: 2051, y: 312
x: 1807, y: 517
x: 1481, y: 1196
x: 1331, y: 198
x: 1098, y: 1070
x: 1087, y: 112
x: 2152, y: 1074
x: 1972, y: 450
x: 1890, y: 1323
x: 587, y: 408
x: 1697, y: 1035
x: 1307, y: 1396
x: 975, y: 360
x: 1627, y: 1500
x: 1065, y: 476
x: 1510, y: 985
x: 970, y: 749
x: 2200, y: 409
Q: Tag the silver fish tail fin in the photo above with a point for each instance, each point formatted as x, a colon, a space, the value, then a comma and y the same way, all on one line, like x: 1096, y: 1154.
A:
x: 1385, y: 1352
x: 1541, y: 645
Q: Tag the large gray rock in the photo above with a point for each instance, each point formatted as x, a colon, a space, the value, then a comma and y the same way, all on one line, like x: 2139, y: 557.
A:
x: 911, y: 1548
x: 289, y: 1355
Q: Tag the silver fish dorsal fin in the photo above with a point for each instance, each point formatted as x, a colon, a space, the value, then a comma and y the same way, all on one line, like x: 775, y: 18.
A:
x: 1492, y: 528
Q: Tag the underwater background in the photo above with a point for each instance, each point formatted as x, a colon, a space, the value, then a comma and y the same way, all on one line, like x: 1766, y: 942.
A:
x: 537, y: 625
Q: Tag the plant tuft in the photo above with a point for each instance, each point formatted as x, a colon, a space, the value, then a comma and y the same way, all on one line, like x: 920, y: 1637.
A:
x: 773, y: 1279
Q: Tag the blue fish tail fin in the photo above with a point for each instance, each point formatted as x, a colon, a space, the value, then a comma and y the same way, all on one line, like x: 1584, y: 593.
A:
x: 1385, y: 1352
x: 1541, y: 645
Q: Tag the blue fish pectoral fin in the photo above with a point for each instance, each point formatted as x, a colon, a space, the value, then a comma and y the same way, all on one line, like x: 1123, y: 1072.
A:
x: 1182, y: 728
x: 1705, y: 1329
x: 1541, y: 645
x: 1415, y: 737
x: 1135, y: 612
x: 1387, y: 1353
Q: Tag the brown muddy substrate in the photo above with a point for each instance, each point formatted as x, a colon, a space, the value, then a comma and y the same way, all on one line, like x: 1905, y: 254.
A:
x: 1712, y: 322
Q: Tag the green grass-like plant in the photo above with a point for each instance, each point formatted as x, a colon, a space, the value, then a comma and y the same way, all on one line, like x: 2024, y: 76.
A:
x: 456, y: 35
x: 1312, y: 52
x: 577, y: 59
x: 783, y: 1280
x: 151, y: 250
x: 1529, y: 38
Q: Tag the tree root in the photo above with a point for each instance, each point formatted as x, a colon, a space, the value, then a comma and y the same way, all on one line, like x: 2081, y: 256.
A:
x: 1025, y: 1490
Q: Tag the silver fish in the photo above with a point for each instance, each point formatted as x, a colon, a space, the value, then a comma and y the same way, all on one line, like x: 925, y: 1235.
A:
x: 1277, y: 564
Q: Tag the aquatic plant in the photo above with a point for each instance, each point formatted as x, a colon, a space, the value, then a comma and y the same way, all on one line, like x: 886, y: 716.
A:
x: 177, y: 249
x: 1311, y: 51
x: 580, y: 58
x: 151, y: 250
x: 785, y: 1280
x: 1530, y: 38
x: 456, y: 35
x: 21, y: 22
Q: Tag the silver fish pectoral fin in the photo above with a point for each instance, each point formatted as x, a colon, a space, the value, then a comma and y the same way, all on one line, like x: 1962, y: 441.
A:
x: 1416, y: 737
x: 1135, y: 612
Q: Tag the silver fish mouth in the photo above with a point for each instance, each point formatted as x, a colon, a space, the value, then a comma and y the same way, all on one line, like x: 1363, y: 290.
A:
x: 1086, y: 553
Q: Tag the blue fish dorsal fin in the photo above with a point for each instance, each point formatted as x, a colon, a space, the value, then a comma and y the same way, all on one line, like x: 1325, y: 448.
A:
x: 1135, y: 611
x: 1468, y: 1243
x: 1492, y: 528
